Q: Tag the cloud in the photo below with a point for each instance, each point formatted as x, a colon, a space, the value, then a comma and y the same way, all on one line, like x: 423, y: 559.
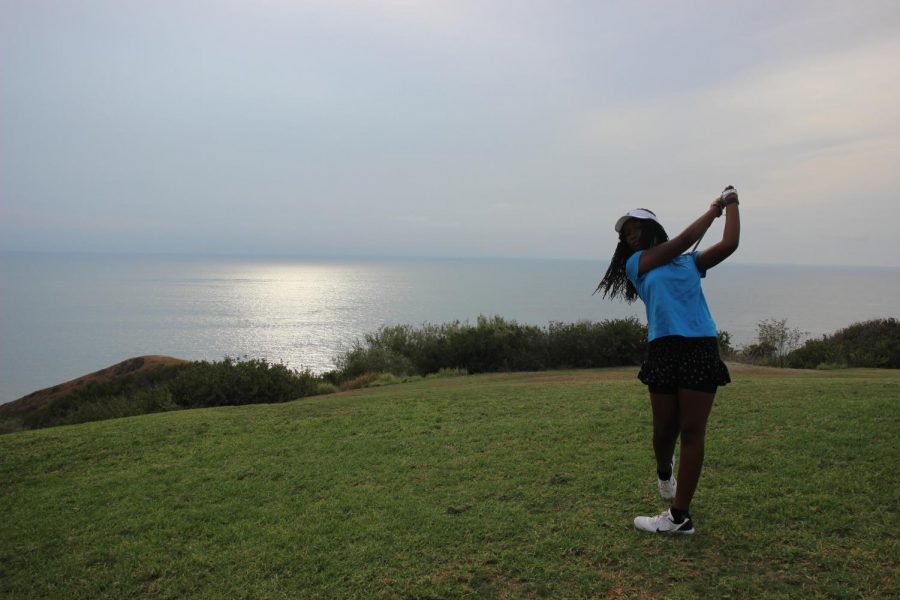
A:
x: 500, y: 128
x: 780, y: 119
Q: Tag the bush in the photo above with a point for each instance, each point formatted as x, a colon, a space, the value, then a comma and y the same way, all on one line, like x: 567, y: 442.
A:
x: 588, y: 344
x: 495, y: 344
x: 402, y: 353
x: 125, y: 396
x: 830, y: 366
x: 448, y: 372
x: 374, y: 357
x: 874, y: 343
x: 762, y: 353
x: 325, y: 388
x: 777, y: 339
x: 726, y: 350
x: 155, y: 399
x: 814, y: 353
x: 492, y: 344
x: 196, y: 384
x: 89, y: 404
x: 232, y: 382
x: 360, y: 381
x: 174, y: 387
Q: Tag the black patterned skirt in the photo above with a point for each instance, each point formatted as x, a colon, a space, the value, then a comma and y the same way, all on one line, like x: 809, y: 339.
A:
x: 674, y: 362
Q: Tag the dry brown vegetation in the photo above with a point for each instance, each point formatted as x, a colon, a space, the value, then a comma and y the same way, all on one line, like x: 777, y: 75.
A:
x: 133, y: 366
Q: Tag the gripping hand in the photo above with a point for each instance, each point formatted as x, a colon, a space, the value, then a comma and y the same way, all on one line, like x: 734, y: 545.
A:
x: 729, y: 196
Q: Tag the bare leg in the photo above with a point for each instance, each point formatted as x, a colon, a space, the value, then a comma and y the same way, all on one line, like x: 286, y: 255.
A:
x: 666, y: 425
x: 694, y: 409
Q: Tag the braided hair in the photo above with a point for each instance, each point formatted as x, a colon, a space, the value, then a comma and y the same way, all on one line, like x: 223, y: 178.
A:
x: 615, y: 282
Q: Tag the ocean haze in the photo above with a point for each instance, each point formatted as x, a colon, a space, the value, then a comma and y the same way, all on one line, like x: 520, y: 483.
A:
x: 62, y: 316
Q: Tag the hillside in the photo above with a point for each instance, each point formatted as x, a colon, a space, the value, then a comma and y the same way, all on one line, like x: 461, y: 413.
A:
x: 139, y: 365
x: 508, y: 486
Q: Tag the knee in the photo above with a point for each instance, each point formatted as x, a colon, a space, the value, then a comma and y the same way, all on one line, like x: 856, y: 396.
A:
x: 665, y: 429
x: 693, y: 435
x: 664, y: 439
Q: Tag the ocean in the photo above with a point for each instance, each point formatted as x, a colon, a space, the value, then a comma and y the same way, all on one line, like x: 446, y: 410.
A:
x: 62, y: 316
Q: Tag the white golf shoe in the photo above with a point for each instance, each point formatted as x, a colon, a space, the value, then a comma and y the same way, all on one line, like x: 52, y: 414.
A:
x: 667, y: 487
x: 663, y: 523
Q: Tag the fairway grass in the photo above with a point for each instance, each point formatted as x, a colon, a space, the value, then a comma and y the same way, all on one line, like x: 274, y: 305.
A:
x: 509, y: 486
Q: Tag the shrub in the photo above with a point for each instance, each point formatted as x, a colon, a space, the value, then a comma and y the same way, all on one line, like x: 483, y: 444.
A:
x: 495, y: 344
x: 874, y: 343
x: 155, y: 399
x: 11, y: 424
x: 725, y: 348
x: 125, y: 396
x: 95, y: 403
x: 814, y: 353
x: 325, y: 387
x: 762, y: 353
x: 777, y: 339
x: 587, y: 344
x: 830, y: 366
x: 448, y: 372
x: 360, y: 381
x: 386, y: 379
x: 492, y: 344
x: 174, y: 387
x: 373, y: 357
x: 234, y: 381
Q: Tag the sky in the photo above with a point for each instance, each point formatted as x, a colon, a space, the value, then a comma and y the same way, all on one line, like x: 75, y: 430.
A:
x: 518, y: 129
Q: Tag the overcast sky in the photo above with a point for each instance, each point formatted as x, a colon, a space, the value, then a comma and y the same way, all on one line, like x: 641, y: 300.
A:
x: 458, y: 128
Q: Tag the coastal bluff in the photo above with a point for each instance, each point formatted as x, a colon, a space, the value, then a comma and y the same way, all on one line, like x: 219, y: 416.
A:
x: 43, y: 398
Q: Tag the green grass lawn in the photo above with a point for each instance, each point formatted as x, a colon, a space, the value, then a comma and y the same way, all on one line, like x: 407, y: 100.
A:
x: 513, y: 485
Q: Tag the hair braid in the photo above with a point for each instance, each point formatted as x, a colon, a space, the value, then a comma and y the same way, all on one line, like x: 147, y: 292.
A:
x: 615, y: 282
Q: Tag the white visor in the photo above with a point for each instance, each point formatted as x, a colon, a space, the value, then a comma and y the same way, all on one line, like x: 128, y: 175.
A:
x: 638, y: 213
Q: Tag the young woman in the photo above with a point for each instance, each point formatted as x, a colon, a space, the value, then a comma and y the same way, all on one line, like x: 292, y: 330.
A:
x: 682, y: 369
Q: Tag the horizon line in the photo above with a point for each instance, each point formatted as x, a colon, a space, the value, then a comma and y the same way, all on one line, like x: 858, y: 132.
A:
x: 382, y: 256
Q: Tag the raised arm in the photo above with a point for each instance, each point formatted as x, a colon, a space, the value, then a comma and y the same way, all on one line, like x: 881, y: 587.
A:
x: 731, y: 237
x: 665, y: 252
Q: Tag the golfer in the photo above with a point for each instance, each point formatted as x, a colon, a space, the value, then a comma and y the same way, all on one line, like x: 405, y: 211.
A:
x: 682, y: 368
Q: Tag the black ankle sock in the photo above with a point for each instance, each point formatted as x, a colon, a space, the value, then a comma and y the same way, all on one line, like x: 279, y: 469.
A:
x: 678, y: 516
x: 664, y: 476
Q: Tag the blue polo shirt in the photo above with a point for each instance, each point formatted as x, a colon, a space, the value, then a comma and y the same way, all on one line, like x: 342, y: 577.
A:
x: 673, y: 297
